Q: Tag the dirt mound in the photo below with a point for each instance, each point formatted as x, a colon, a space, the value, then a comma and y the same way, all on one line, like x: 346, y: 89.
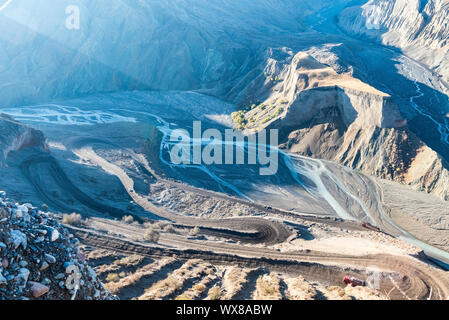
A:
x: 17, y: 136
x: 40, y: 259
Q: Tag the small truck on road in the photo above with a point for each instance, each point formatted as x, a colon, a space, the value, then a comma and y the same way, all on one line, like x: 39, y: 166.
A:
x: 354, y: 282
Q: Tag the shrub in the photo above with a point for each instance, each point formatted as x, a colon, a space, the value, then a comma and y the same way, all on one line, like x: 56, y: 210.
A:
x: 214, y: 293
x: 278, y: 112
x: 169, y: 229
x: 195, y: 232
x: 169, y: 284
x: 113, y: 277
x: 199, y: 288
x: 265, y: 287
x: 266, y: 120
x: 44, y: 207
x: 130, y: 261
x: 239, y: 118
x: 152, y: 235
x: 128, y: 219
x: 183, y: 297
x: 159, y: 225
x: 73, y: 219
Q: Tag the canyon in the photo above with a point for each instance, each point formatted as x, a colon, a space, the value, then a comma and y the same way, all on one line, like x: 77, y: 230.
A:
x: 356, y: 89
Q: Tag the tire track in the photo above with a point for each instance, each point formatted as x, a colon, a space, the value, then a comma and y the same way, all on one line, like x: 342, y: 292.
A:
x: 411, y: 279
x: 254, y: 230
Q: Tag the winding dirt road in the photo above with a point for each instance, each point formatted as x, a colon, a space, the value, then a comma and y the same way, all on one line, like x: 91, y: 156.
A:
x: 400, y: 277
x: 251, y: 230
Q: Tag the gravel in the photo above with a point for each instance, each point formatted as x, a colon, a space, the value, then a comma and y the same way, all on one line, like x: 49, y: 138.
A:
x: 40, y: 259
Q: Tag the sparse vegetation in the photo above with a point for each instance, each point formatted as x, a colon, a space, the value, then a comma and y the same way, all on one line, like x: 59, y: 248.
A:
x: 239, y: 118
x: 130, y: 261
x: 300, y: 289
x: 73, y: 219
x: 233, y: 281
x: 267, y: 287
x: 135, y: 277
x: 214, y: 293
x: 199, y: 288
x: 152, y: 235
x: 158, y: 225
x: 195, y: 232
x: 162, y: 288
x: 113, y: 277
x: 184, y: 297
x: 336, y: 293
x: 277, y: 113
x: 128, y: 219
x: 169, y: 229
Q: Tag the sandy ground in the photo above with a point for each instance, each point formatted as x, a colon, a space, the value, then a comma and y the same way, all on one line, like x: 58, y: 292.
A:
x: 361, y: 244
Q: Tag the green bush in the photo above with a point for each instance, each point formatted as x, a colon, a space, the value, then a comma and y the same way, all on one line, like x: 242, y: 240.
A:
x: 278, y: 112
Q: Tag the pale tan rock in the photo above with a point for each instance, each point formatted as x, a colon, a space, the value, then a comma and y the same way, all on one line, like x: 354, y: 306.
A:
x: 37, y: 289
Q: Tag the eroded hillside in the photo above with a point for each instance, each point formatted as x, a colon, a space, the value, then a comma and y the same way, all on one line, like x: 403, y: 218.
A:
x: 326, y: 114
x: 418, y: 27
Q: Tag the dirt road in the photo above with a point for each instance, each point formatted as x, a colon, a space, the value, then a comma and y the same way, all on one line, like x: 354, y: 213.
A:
x: 399, y: 277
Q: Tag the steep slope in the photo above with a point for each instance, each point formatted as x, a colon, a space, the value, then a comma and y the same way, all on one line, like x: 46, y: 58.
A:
x: 124, y: 45
x: 325, y: 114
x: 220, y: 48
x: 39, y: 259
x: 16, y: 136
x: 292, y: 88
x: 419, y: 27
